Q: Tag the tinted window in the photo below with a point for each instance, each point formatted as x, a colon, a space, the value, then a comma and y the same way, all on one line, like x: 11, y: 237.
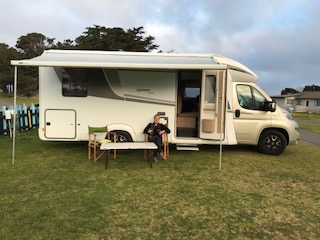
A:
x: 250, y: 98
x: 258, y: 99
x: 74, y: 82
x: 191, y: 92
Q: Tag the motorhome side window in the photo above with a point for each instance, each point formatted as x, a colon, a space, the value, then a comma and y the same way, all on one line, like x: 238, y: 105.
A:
x: 250, y: 98
x: 74, y: 82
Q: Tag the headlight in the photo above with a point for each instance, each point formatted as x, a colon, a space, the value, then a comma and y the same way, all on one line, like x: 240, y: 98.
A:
x: 287, y: 114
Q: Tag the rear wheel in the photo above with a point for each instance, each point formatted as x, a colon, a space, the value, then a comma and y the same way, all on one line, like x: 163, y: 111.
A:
x: 272, y: 142
x: 123, y: 136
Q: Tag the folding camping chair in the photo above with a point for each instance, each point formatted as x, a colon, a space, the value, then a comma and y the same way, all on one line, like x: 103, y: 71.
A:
x: 165, y: 145
x: 98, y: 136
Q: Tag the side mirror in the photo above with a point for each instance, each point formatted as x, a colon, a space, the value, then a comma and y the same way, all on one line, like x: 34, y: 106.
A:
x: 270, y: 106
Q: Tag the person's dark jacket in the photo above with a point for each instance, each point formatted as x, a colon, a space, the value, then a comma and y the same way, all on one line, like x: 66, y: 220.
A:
x: 156, y: 129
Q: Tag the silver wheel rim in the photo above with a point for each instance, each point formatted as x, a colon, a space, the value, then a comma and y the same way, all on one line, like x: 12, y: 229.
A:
x: 121, y: 138
x: 272, y: 142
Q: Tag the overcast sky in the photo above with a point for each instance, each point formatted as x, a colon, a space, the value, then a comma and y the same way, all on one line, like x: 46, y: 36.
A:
x: 278, y: 39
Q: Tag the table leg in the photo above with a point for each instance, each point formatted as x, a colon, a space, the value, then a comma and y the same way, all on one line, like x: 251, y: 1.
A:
x: 107, y: 160
x: 150, y: 159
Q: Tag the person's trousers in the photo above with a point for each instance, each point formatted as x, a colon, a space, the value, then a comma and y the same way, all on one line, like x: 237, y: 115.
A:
x: 158, y: 141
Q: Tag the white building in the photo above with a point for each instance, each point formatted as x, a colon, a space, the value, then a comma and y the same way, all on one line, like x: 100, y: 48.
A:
x: 299, y: 102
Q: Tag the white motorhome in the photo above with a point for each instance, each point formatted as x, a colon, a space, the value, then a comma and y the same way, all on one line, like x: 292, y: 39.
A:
x: 203, y: 98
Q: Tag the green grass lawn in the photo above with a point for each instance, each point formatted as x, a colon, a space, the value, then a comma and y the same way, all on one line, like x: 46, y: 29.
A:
x: 21, y: 100
x: 310, y: 127
x: 54, y: 192
x: 309, y: 122
x: 306, y: 116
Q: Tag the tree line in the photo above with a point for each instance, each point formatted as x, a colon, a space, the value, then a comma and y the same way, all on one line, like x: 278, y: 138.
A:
x: 93, y: 38
x: 307, y: 88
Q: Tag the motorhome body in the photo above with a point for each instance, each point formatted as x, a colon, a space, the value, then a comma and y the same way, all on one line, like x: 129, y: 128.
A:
x: 203, y: 98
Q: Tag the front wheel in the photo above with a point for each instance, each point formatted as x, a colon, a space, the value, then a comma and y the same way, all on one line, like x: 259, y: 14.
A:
x: 272, y: 142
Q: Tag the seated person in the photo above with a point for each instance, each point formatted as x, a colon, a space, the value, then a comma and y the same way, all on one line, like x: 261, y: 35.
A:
x: 155, y: 131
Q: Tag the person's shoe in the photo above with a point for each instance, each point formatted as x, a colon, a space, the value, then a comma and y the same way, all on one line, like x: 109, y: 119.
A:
x: 155, y: 159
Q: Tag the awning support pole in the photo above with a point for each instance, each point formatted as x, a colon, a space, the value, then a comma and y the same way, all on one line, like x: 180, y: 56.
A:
x: 223, y: 106
x: 14, y: 112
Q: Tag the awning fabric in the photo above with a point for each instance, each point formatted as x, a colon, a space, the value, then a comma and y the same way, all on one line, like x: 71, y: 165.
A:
x: 130, y: 60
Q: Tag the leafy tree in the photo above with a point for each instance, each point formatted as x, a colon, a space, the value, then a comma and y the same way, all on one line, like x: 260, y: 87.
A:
x: 136, y: 41
x: 66, y: 44
x: 102, y: 38
x: 288, y: 91
x: 29, y: 46
x: 311, y: 88
x: 28, y: 85
x: 94, y: 38
x: 6, y: 70
x: 33, y: 44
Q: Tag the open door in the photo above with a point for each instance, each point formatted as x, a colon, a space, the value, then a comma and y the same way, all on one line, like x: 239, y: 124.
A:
x: 212, y: 107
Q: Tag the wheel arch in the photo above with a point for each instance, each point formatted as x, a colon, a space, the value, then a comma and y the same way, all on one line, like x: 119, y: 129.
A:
x: 283, y: 131
x: 123, y: 128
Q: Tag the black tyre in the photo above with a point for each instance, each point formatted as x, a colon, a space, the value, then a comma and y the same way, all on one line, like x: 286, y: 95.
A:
x: 123, y: 136
x: 272, y: 142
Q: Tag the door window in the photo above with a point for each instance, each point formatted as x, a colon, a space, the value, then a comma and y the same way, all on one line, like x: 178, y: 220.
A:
x: 250, y: 98
x: 210, y: 88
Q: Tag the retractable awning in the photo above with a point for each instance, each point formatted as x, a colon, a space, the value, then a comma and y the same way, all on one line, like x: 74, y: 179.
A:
x: 130, y: 60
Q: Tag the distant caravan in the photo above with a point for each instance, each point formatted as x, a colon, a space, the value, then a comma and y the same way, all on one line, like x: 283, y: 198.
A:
x: 203, y: 98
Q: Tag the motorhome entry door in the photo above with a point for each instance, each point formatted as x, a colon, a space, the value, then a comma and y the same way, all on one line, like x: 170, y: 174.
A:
x: 212, y: 105
x: 60, y: 124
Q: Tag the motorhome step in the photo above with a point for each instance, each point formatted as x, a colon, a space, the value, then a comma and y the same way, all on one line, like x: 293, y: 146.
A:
x: 187, y: 147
